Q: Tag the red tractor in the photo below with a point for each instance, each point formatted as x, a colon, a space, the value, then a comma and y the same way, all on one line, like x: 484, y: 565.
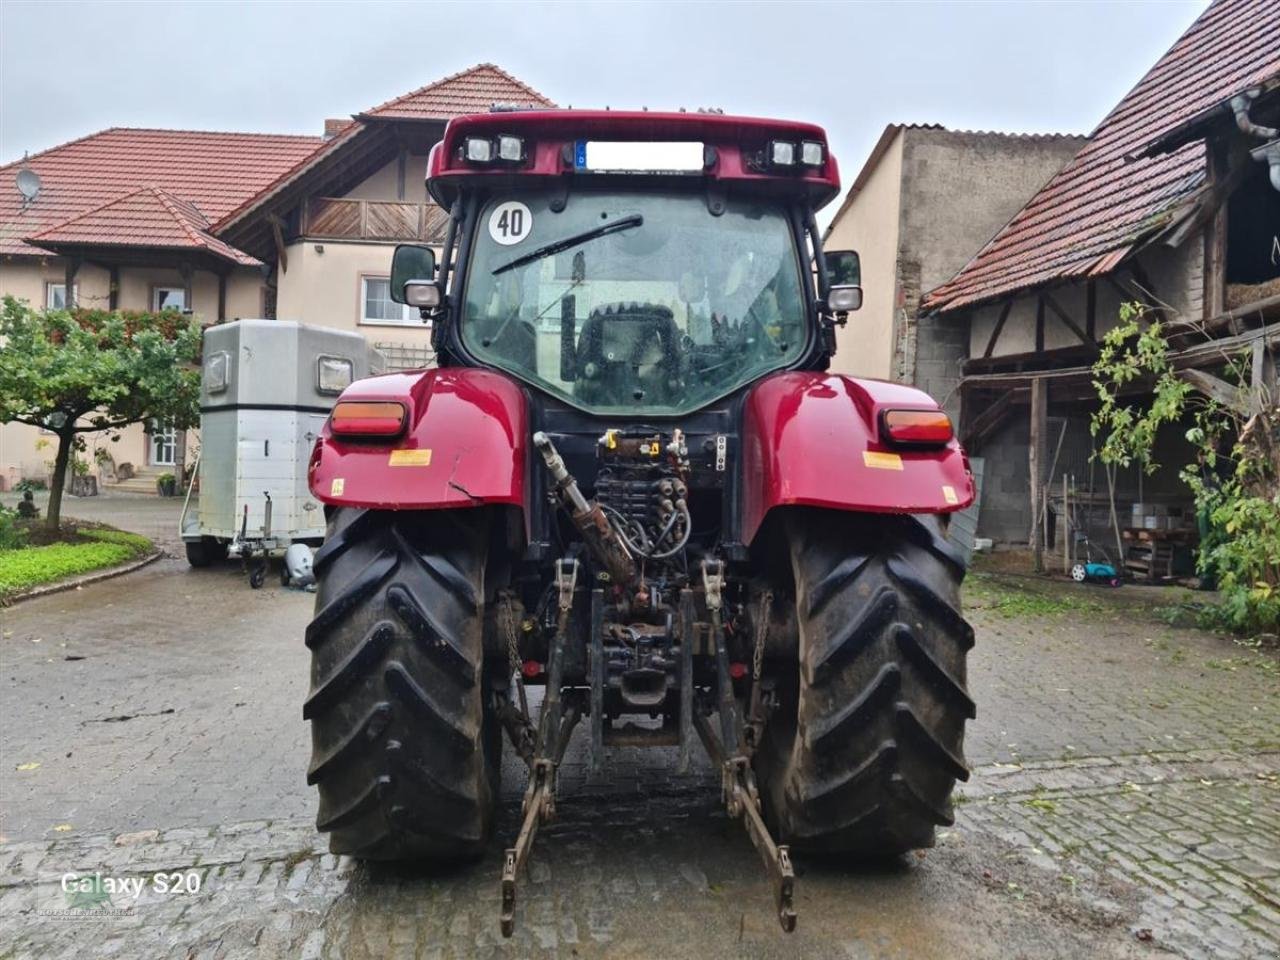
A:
x: 631, y: 482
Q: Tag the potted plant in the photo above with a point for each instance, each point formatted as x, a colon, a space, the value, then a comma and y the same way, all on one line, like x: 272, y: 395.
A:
x: 166, y: 484
x: 83, y: 483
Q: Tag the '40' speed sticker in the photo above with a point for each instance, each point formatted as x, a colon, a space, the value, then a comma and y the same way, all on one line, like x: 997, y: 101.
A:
x: 510, y: 222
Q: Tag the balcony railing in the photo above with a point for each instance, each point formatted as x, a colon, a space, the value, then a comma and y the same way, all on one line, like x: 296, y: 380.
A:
x: 337, y: 218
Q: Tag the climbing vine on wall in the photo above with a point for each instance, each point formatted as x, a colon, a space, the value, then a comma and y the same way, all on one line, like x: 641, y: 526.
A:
x: 1234, y: 476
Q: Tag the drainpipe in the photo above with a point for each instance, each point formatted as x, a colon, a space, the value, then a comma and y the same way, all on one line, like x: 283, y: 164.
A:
x: 1268, y: 153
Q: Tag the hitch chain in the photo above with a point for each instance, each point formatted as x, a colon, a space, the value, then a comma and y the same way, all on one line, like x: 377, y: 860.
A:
x: 539, y: 804
x: 758, y: 711
x: 733, y: 751
x: 520, y: 728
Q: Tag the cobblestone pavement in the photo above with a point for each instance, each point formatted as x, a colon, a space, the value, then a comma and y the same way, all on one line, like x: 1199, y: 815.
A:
x: 1125, y: 802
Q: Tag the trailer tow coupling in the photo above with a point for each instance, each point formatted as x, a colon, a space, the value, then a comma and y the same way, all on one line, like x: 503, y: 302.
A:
x: 554, y: 727
x: 738, y: 782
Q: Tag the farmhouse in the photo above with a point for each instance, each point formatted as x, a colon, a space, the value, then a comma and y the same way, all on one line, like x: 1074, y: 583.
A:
x: 229, y: 225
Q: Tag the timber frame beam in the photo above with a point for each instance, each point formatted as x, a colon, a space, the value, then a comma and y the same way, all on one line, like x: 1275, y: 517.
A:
x: 1263, y: 342
x: 996, y: 330
x: 1217, y: 389
x: 1067, y: 321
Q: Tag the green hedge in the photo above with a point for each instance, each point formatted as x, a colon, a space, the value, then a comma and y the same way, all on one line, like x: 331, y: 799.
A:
x: 22, y: 569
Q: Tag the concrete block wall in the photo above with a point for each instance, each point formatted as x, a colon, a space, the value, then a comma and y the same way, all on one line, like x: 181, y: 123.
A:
x: 1006, y: 508
x: 941, y: 348
x: 1005, y: 515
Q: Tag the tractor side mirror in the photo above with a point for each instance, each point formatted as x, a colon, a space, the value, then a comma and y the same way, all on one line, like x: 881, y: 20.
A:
x: 844, y: 278
x: 413, y: 276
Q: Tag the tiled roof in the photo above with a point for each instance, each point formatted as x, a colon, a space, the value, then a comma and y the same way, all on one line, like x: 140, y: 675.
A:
x: 473, y: 90
x: 150, y: 218
x: 215, y: 172
x: 1103, y: 203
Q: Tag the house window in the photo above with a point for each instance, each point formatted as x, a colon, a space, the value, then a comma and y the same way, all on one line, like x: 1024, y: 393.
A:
x: 376, y: 305
x: 168, y: 298
x: 55, y: 295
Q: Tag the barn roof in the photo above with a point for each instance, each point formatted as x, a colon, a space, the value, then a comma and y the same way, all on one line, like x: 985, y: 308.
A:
x: 1113, y: 195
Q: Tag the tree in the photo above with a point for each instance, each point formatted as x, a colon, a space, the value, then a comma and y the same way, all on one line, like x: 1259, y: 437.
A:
x: 81, y: 371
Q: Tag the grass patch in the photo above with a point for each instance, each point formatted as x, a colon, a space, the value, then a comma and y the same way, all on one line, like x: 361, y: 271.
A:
x: 1010, y: 598
x: 83, y: 550
x: 1042, y: 804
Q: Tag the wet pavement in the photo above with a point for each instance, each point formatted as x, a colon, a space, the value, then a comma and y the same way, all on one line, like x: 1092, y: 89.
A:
x: 1125, y: 802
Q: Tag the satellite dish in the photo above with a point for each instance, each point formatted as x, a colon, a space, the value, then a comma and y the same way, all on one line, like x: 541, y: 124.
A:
x: 28, y: 185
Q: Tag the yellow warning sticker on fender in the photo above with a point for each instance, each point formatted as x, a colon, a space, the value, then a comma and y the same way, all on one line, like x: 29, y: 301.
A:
x: 409, y: 458
x: 881, y: 461
x: 949, y: 494
x: 336, y: 488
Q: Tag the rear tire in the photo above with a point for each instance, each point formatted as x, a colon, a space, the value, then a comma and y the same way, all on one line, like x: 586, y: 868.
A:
x: 405, y: 754
x: 205, y: 552
x: 865, y: 748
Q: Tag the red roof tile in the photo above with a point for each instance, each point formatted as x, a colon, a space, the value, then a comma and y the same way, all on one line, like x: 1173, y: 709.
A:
x: 1103, y: 203
x: 473, y: 90
x: 150, y: 218
x: 214, y: 172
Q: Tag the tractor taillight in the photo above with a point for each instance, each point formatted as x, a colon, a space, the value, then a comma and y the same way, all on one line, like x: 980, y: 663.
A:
x: 367, y: 418
x: 916, y: 427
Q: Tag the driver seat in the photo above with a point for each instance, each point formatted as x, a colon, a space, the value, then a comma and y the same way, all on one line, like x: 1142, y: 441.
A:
x: 615, y: 341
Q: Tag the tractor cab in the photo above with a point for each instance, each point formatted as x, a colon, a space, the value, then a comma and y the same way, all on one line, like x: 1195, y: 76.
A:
x: 635, y: 264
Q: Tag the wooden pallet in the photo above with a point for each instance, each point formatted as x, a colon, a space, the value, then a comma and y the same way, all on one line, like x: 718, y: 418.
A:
x: 1149, y: 553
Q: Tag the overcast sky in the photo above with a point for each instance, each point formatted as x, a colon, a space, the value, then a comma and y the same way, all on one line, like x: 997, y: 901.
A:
x: 67, y: 69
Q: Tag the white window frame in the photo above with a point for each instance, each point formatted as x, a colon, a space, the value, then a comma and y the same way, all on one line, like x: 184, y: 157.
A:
x: 161, y: 437
x: 409, y: 315
x: 51, y: 285
x: 158, y: 290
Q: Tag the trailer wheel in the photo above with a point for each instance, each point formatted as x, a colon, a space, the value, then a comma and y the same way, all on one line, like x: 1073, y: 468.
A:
x: 405, y: 752
x: 862, y: 754
x: 205, y: 552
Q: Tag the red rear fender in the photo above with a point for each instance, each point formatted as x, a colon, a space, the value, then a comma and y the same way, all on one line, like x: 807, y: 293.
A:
x: 812, y: 439
x: 464, y: 445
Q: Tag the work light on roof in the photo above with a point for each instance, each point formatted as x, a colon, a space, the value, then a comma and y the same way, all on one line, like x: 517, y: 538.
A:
x: 786, y: 155
x: 782, y: 153
x: 811, y: 153
x: 483, y: 151
x: 480, y: 150
x: 510, y: 149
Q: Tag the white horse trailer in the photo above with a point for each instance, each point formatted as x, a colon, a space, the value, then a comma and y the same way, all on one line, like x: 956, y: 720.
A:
x: 266, y: 390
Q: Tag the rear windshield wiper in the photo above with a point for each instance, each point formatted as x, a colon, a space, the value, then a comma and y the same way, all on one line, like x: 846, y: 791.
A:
x: 559, y: 246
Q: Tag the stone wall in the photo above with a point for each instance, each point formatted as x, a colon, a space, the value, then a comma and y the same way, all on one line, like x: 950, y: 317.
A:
x: 958, y: 190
